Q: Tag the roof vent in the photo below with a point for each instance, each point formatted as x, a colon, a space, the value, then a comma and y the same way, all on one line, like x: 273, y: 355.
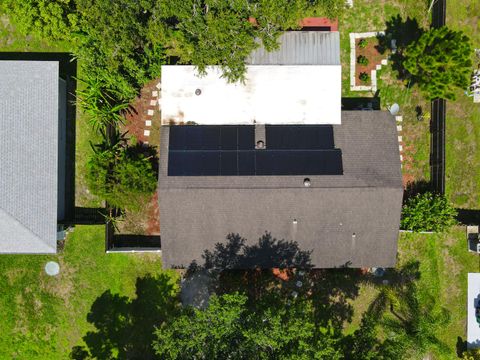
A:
x: 306, y: 182
x: 260, y: 144
x: 295, y: 222
x: 198, y: 92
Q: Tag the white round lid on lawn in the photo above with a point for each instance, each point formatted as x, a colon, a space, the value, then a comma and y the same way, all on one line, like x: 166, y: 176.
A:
x: 394, y: 109
x: 52, y: 268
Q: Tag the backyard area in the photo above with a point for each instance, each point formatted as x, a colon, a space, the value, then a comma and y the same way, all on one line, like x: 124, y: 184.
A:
x: 48, y: 317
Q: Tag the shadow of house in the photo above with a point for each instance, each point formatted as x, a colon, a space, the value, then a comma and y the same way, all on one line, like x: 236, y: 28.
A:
x: 124, y: 327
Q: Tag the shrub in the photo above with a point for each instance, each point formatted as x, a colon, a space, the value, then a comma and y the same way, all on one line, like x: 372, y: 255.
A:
x: 362, y: 44
x: 362, y: 60
x: 472, y: 354
x: 364, y: 77
x: 102, y: 104
x: 124, y: 176
x: 428, y: 212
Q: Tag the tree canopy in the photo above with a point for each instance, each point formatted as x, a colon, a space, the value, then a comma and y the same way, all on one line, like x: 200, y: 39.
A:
x: 124, y: 42
x: 440, y: 62
x: 227, y: 328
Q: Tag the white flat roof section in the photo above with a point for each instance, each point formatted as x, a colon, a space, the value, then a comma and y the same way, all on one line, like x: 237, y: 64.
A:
x: 473, y: 299
x: 271, y: 94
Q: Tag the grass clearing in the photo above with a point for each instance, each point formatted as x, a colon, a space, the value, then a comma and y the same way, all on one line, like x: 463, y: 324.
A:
x: 44, y: 317
x: 463, y: 119
x: 444, y: 264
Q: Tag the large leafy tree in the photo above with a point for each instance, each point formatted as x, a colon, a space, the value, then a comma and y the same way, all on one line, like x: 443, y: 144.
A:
x: 224, y: 33
x: 50, y: 19
x: 124, y: 42
x: 113, y: 45
x: 440, y: 62
x: 228, y: 328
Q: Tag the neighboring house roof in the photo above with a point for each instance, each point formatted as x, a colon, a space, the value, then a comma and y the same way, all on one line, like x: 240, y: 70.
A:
x: 199, y: 211
x: 301, y: 48
x: 28, y: 156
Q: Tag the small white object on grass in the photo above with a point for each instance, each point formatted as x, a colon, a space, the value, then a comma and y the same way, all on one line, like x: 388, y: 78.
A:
x: 52, y: 268
x: 400, y: 139
x: 400, y: 147
x: 401, y: 157
x: 399, y: 127
x: 394, y: 109
x: 399, y: 118
x: 378, y: 66
x: 154, y: 93
x: 153, y: 102
x: 150, y: 112
x: 148, y: 122
x: 384, y: 62
x: 158, y: 86
x: 146, y: 132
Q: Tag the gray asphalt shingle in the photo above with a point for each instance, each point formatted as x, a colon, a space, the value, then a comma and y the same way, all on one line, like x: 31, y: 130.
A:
x: 198, y: 212
x: 28, y: 156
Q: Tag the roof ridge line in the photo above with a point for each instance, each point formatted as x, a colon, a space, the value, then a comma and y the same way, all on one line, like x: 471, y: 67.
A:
x: 21, y: 224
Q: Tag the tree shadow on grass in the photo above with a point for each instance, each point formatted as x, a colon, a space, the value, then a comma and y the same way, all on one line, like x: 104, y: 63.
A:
x: 403, y: 32
x: 124, y: 327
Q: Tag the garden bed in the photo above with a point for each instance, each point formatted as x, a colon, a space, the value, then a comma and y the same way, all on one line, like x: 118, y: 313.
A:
x: 139, y: 120
x: 370, y: 52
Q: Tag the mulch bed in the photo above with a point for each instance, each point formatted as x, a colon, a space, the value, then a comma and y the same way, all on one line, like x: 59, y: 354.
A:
x: 372, y: 54
x: 135, y: 126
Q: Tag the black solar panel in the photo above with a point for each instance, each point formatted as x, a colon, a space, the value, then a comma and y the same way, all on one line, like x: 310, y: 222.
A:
x: 294, y: 137
x: 230, y: 151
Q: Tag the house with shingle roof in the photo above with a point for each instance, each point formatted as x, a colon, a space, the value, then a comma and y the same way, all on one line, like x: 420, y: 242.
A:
x: 36, y: 173
x: 277, y: 154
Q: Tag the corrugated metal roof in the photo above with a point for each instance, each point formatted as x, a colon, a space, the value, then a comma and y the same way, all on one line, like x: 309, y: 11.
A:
x: 301, y: 48
x: 28, y: 156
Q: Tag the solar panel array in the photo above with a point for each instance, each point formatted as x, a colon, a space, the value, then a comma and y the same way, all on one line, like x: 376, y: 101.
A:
x: 230, y: 151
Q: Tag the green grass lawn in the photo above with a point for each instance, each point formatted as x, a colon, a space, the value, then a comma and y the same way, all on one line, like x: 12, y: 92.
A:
x: 444, y: 265
x: 44, y: 317
x: 463, y: 119
x: 372, y: 15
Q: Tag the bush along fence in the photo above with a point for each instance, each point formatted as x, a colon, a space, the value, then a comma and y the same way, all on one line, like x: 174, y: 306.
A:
x: 426, y: 213
x: 122, y: 174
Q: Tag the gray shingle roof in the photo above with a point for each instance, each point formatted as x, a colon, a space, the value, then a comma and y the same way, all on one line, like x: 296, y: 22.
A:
x: 301, y: 48
x: 28, y: 156
x: 198, y: 212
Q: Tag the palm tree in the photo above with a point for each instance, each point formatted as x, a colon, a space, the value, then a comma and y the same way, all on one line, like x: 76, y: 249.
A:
x: 411, y: 321
x: 103, y: 105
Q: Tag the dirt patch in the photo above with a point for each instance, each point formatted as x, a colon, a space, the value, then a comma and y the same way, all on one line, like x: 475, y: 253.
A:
x: 135, y: 122
x: 370, y: 51
x: 153, y: 223
x: 145, y: 222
